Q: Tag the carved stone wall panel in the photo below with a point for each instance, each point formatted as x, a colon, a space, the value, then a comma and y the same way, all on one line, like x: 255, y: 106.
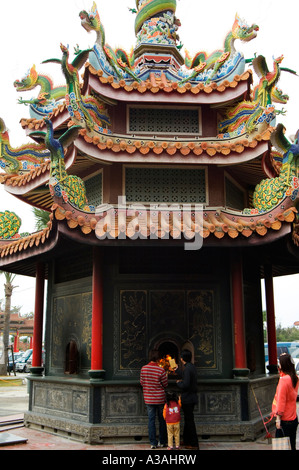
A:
x: 219, y: 404
x: 61, y: 400
x: 261, y: 392
x: 203, y: 327
x: 167, y: 312
x: 71, y: 320
x: 132, y: 335
x: 145, y: 317
x: 122, y: 404
x: 220, y: 412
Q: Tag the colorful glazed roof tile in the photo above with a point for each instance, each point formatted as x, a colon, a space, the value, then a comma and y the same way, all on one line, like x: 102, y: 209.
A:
x: 73, y: 123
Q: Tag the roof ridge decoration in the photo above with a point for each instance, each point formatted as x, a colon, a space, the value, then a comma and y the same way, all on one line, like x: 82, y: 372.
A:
x: 69, y: 187
x: 116, y: 63
x: 161, y: 83
x: 86, y: 110
x: 10, y: 225
x: 49, y: 97
x: 208, y: 67
x: 20, y: 160
x: 156, y: 27
x: 247, y: 114
x: 271, y: 191
x: 156, y: 22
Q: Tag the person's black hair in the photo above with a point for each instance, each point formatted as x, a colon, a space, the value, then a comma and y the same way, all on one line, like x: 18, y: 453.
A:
x: 287, y: 366
x: 154, y: 355
x: 186, y: 355
x: 171, y: 397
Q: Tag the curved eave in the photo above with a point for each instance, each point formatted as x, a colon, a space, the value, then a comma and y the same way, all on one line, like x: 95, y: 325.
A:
x: 205, y: 152
x: 21, y: 254
x: 59, y: 117
x: 22, y: 185
x: 138, y: 224
x: 153, y: 91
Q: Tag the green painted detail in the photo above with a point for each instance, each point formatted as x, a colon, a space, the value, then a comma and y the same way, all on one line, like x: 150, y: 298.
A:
x: 85, y: 111
x: 10, y: 224
x: 151, y: 9
x: 119, y: 59
x: 202, y: 61
x: 269, y: 192
x: 70, y: 187
x: 248, y: 113
x: 47, y: 93
x: 23, y: 158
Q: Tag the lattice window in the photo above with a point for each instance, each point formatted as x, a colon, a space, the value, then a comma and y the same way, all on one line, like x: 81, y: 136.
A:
x: 234, y: 195
x: 94, y: 187
x: 165, y: 185
x: 164, y: 120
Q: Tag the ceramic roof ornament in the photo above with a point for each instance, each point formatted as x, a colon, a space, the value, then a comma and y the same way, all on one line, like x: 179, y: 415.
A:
x: 48, y: 97
x: 156, y: 22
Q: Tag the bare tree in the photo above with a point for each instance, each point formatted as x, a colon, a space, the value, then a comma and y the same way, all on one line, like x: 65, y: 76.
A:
x: 8, y: 288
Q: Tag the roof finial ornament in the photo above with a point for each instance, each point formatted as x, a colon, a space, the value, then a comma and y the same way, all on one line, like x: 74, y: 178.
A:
x: 156, y: 22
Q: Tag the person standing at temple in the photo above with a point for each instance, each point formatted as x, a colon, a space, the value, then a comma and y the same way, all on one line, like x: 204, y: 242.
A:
x: 189, y: 398
x: 284, y: 406
x: 154, y: 381
x: 172, y: 416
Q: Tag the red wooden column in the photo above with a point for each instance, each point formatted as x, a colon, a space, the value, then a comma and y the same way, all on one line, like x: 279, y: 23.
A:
x: 240, y: 367
x: 16, y: 342
x: 97, y: 372
x: 37, y: 345
x: 271, y: 326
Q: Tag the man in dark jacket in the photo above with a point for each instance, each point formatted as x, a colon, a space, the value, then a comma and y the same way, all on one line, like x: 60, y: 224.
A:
x: 188, y: 387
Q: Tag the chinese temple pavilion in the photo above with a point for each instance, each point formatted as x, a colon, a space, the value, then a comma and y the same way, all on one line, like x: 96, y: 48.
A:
x: 172, y: 192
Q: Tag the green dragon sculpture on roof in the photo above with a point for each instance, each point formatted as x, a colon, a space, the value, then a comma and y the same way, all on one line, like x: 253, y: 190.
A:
x: 85, y: 110
x: 205, y: 67
x: 20, y: 159
x: 156, y: 25
x: 70, y: 187
x: 48, y: 96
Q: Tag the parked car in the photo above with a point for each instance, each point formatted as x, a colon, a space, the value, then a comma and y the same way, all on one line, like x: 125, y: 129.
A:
x: 13, y: 360
x: 281, y: 348
x: 22, y: 365
x: 295, y: 357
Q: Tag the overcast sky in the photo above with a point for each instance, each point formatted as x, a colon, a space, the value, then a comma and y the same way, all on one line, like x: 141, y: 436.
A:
x: 32, y: 30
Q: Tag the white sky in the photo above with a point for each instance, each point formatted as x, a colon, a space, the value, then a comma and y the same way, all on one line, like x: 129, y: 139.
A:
x: 32, y: 30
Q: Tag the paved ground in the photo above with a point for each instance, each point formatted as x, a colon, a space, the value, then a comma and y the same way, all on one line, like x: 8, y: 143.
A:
x: 14, y: 402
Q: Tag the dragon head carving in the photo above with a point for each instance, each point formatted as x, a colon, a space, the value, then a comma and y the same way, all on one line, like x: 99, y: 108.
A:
x: 28, y: 82
x: 241, y: 30
x: 91, y: 20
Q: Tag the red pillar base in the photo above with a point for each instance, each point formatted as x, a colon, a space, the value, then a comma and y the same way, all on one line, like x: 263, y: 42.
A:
x: 36, y: 371
x: 96, y: 376
x: 241, y: 373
